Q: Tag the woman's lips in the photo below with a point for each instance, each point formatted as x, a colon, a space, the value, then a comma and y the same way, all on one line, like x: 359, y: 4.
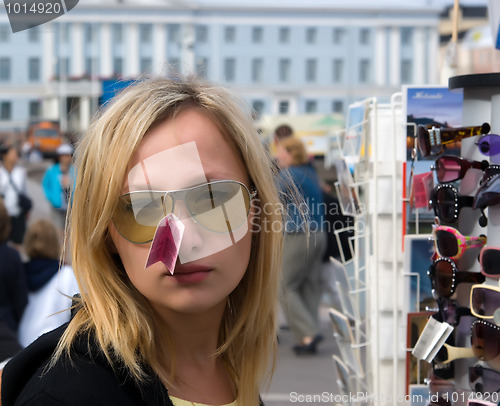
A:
x: 190, y: 273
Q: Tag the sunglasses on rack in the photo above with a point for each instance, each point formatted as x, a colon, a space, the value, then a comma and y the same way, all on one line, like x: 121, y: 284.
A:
x: 485, y: 339
x: 484, y: 380
x: 431, y: 141
x: 447, y: 202
x: 450, y: 312
x: 489, y: 171
x: 445, y: 276
x: 449, y: 242
x: 219, y: 206
x: 489, y: 259
x: 451, y: 168
x: 488, y: 193
x: 449, y: 353
x: 485, y: 302
x: 489, y: 145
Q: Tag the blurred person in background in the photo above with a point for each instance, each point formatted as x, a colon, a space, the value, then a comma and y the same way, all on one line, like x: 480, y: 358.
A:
x: 12, y: 185
x: 50, y: 288
x: 304, y: 245
x: 57, y: 182
x: 13, y: 287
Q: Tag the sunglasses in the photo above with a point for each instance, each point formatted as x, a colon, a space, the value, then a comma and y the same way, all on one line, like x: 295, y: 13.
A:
x: 488, y: 193
x: 451, y: 168
x: 489, y: 145
x: 449, y: 242
x: 447, y: 202
x: 485, y: 340
x: 485, y: 302
x: 471, y: 402
x: 445, y: 277
x: 219, y: 206
x: 431, y: 141
x: 450, y: 312
x: 449, y: 353
x: 490, y: 262
x: 489, y: 171
x: 484, y: 380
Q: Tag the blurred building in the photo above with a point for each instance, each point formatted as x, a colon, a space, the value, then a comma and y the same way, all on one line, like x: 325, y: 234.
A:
x: 304, y: 56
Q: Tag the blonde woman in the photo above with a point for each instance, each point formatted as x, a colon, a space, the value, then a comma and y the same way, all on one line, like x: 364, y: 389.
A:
x: 175, y: 257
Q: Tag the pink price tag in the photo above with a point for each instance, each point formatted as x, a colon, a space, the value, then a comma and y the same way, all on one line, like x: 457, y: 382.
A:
x: 166, y: 242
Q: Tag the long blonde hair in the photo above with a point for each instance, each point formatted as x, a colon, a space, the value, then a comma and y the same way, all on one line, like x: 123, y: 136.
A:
x: 119, y: 316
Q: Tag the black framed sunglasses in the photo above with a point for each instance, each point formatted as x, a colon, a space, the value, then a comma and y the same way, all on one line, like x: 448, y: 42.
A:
x: 447, y: 202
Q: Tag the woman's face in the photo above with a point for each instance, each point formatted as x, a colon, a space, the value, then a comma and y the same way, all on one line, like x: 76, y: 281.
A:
x: 183, y: 152
x: 11, y: 157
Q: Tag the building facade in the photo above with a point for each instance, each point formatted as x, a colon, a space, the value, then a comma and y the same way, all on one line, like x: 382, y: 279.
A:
x: 312, y: 57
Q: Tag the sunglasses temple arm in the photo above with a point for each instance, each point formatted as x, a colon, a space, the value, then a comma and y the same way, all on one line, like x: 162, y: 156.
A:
x: 469, y: 277
x: 465, y: 201
x: 475, y: 242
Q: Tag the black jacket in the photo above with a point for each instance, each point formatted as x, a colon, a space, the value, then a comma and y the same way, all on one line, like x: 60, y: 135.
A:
x: 88, y: 379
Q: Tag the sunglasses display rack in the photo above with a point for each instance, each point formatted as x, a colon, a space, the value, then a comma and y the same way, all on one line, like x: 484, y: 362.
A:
x: 466, y: 266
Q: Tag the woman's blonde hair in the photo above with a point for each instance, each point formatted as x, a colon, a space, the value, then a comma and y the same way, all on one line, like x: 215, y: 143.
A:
x: 296, y: 148
x: 121, y: 318
x: 42, y: 240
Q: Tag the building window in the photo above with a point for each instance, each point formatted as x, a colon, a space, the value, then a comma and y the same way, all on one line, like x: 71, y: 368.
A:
x: 34, y: 69
x: 311, y: 35
x: 406, y: 71
x: 338, y: 70
x: 5, y: 110
x: 337, y: 106
x: 311, y: 106
x: 258, y: 108
x: 4, y: 32
x: 63, y: 33
x: 284, y: 35
x: 4, y: 69
x: 118, y: 66
x: 230, y: 34
x: 201, y: 34
x: 364, y: 36
x: 91, y: 66
x: 145, y: 33
x: 338, y: 36
x: 257, y: 35
x: 229, y: 69
x: 406, y: 36
x: 202, y: 67
x: 174, y: 33
x: 117, y: 33
x: 90, y: 33
x: 257, y: 70
x: 311, y: 66
x: 34, y: 34
x: 35, y: 109
x: 284, y: 70
x: 284, y: 107
x: 146, y: 65
x: 364, y: 70
x: 62, y: 68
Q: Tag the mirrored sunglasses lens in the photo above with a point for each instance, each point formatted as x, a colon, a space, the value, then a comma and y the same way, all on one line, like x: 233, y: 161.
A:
x: 220, y: 207
x: 446, y: 243
x: 447, y: 169
x: 138, y: 214
x: 490, y: 261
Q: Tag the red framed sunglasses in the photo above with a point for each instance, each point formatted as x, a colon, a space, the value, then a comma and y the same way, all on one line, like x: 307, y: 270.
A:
x: 451, y: 168
x: 431, y: 141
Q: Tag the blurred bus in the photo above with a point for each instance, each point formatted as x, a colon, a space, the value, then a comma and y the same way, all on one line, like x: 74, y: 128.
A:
x: 45, y: 136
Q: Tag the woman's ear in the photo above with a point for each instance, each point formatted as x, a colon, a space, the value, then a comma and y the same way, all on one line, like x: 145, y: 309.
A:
x: 110, y: 245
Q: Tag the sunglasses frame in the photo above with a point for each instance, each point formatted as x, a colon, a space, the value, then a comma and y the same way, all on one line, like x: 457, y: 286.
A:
x: 478, y: 287
x: 445, y: 303
x: 457, y: 277
x: 481, y: 255
x: 478, y: 372
x: 491, y: 326
x: 463, y: 242
x: 182, y: 192
x: 459, y: 201
x: 483, y: 141
x: 465, y: 165
x: 435, y: 137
